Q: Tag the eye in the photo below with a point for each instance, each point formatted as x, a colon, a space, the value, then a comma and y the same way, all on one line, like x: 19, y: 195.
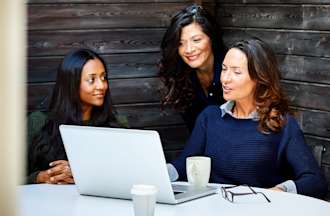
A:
x: 238, y: 72
x: 196, y: 40
x: 91, y: 80
x: 104, y: 78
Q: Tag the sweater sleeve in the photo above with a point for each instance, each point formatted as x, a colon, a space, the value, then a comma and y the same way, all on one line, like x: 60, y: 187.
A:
x: 308, y: 176
x: 35, y: 122
x: 195, y: 146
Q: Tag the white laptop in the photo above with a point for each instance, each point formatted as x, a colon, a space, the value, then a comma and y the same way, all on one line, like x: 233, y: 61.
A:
x: 108, y: 161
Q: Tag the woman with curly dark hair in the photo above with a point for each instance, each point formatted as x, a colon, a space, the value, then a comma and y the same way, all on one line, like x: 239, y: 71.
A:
x: 252, y: 138
x: 81, y: 96
x: 192, y: 53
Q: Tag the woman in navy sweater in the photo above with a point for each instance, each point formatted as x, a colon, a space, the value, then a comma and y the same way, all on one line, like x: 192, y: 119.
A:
x: 253, y: 138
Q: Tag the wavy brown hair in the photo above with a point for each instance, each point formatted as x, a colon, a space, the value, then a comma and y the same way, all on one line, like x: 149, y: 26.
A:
x: 173, y: 71
x: 272, y: 103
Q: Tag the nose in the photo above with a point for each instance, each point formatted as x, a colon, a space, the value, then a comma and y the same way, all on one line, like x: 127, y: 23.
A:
x: 101, y: 84
x: 225, y: 77
x: 189, y: 48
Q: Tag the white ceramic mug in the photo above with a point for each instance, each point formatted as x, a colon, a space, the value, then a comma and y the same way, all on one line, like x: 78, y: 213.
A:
x: 144, y: 199
x: 198, y: 170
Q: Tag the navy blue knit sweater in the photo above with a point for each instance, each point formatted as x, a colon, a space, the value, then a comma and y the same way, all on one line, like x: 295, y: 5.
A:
x: 240, y: 154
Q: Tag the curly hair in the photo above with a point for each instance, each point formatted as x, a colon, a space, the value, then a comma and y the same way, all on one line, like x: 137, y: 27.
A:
x: 173, y: 71
x: 272, y: 103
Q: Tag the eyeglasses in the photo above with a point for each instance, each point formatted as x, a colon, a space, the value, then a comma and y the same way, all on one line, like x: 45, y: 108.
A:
x: 229, y: 195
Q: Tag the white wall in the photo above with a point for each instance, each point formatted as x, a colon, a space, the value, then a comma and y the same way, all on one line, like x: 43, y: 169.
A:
x: 12, y: 101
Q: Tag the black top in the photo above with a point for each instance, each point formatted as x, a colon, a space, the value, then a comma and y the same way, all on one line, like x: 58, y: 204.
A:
x: 54, y: 149
x: 200, y: 100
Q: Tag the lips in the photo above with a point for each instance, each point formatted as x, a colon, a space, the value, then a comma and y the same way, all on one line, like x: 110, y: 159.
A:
x: 226, y: 89
x: 99, y: 95
x: 192, y: 57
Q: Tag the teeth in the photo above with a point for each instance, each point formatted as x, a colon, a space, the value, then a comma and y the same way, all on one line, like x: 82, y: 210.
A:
x: 191, y: 57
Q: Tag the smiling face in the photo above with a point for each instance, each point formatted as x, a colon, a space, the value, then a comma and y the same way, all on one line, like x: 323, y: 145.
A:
x: 195, y: 47
x: 236, y: 82
x: 93, y: 84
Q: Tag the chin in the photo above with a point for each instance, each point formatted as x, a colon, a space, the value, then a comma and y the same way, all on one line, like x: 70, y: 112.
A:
x: 227, y: 98
x: 98, y: 104
x: 194, y: 65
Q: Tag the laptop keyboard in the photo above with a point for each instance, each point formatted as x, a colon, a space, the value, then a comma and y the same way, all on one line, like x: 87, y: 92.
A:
x: 179, y: 188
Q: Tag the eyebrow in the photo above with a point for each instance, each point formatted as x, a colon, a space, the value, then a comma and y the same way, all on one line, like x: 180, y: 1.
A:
x: 197, y: 35
x: 231, y: 66
x: 94, y: 74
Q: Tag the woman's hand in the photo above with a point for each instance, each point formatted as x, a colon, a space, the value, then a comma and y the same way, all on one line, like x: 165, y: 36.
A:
x: 59, y: 173
x: 277, y: 189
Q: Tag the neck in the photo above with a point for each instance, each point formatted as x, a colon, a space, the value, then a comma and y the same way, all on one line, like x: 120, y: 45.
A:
x: 86, y: 113
x: 208, y: 66
x: 243, y: 109
x: 205, y: 74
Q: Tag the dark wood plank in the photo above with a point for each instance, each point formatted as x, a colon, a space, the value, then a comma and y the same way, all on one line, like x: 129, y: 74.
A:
x: 173, y: 137
x: 314, y: 122
x: 306, y: 43
x: 302, y: 68
x: 261, y: 16
x: 308, y: 95
x: 149, y: 115
x: 96, y: 16
x: 43, y: 69
x: 104, y: 1
x: 152, y: 116
x: 41, y: 43
x: 315, y: 17
x: 326, y: 170
x: 319, y: 141
x: 137, y: 90
x: 274, y: 1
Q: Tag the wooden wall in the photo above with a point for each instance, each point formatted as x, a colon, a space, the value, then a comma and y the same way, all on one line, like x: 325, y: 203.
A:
x: 127, y: 33
x: 299, y: 32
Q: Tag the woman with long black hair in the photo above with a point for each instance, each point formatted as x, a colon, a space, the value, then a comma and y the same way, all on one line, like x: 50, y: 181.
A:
x: 192, y: 53
x: 81, y: 96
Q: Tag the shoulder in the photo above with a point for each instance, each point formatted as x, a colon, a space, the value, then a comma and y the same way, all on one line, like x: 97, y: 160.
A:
x: 291, y: 132
x: 292, y: 124
x: 36, y: 117
x: 210, y: 112
x: 36, y: 121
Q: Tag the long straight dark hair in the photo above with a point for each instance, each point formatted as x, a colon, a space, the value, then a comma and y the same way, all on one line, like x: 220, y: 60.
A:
x: 65, y: 108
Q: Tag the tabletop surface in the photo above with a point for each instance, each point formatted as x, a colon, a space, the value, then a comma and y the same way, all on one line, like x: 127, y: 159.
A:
x: 64, y: 200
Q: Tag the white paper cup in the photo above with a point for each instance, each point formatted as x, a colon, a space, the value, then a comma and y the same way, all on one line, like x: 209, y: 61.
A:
x: 144, y: 199
x: 198, y: 170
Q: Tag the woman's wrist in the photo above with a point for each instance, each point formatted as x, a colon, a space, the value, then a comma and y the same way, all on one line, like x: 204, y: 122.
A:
x: 42, y: 177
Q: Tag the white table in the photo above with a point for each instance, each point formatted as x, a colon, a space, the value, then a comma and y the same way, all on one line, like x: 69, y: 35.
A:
x: 64, y: 200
